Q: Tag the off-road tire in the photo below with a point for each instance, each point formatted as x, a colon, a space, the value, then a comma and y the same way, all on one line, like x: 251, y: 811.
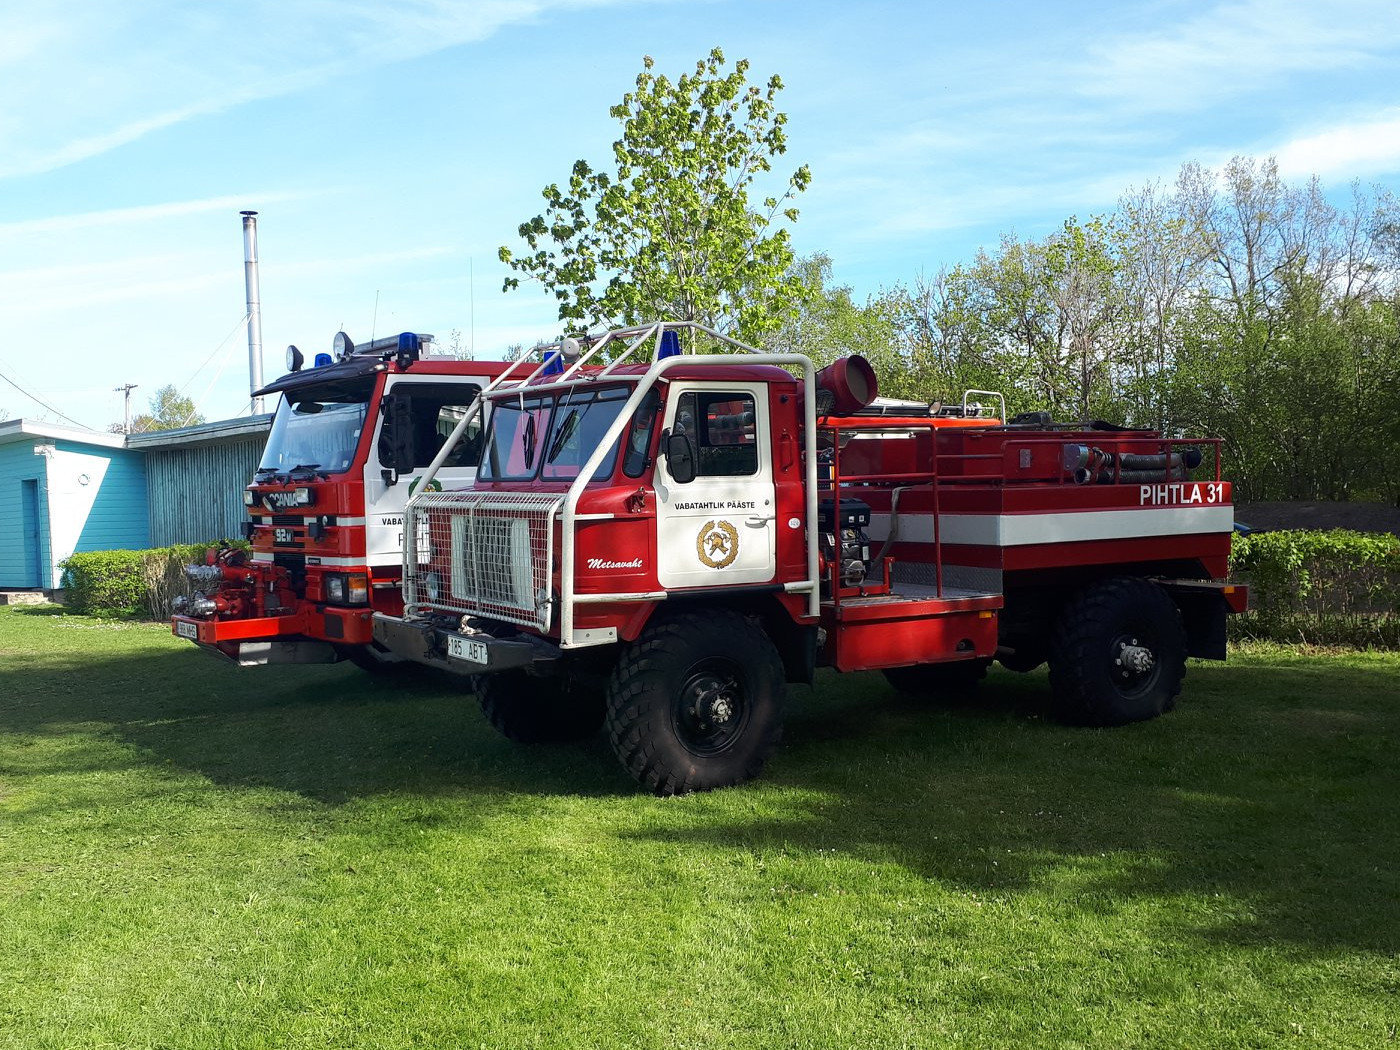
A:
x: 942, y: 681
x: 1087, y: 685
x: 539, y: 710
x: 679, y: 672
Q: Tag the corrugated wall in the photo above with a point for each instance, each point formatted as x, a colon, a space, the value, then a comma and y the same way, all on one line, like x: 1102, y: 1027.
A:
x: 196, y: 493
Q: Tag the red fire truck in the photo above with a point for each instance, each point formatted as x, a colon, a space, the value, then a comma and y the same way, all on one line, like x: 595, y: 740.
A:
x: 660, y: 541
x: 347, y: 449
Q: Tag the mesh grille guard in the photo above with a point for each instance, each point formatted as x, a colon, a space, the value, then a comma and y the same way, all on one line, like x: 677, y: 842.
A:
x: 483, y: 554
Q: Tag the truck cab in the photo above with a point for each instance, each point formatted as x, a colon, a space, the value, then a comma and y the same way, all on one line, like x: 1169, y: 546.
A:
x: 347, y: 447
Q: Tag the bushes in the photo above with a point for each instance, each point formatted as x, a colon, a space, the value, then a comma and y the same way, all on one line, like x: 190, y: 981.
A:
x: 129, y: 583
x: 1333, y: 587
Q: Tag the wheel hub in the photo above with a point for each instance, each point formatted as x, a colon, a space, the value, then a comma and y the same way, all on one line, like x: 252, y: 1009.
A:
x: 1135, y: 658
x: 710, y: 711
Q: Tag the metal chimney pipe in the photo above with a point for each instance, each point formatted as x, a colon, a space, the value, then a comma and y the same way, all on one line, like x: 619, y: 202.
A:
x: 250, y: 281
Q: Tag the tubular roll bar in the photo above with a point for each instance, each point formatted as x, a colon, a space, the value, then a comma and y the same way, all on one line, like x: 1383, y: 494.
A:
x: 638, y: 335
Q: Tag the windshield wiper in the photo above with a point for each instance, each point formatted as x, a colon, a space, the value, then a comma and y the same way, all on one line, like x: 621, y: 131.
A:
x: 308, y: 470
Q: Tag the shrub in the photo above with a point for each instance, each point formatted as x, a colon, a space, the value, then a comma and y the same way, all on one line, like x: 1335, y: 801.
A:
x: 1332, y: 587
x: 129, y: 583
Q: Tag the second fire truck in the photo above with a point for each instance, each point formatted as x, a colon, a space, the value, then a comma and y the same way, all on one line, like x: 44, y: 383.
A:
x: 660, y: 541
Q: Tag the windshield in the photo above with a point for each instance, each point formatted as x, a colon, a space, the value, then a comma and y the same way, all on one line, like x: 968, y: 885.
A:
x: 536, y: 435
x: 317, y: 429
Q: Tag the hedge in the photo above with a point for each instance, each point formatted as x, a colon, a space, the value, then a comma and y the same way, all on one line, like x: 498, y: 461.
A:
x: 1325, y: 588
x: 130, y: 583
x: 1333, y: 587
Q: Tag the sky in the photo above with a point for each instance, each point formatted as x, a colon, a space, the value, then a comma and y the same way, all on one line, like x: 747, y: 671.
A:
x: 391, y: 146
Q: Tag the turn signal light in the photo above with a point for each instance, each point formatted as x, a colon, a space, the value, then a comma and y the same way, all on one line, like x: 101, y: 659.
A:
x: 342, y: 588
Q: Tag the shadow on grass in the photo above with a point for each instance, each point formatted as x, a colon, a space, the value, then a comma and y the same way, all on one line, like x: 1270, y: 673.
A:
x: 1273, y: 786
x: 329, y: 733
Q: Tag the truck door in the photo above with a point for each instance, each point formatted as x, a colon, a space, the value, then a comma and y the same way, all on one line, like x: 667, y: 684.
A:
x: 720, y: 528
x: 437, y: 405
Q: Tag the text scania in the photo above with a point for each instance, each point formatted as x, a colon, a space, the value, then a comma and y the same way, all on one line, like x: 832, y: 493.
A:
x: 603, y: 563
x: 1180, y: 492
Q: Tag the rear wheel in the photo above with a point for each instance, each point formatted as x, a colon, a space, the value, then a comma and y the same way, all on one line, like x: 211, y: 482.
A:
x: 939, y: 681
x: 536, y: 710
x: 1119, y: 654
x: 695, y: 703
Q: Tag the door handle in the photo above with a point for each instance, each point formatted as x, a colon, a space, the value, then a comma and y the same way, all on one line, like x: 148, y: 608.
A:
x: 757, y: 522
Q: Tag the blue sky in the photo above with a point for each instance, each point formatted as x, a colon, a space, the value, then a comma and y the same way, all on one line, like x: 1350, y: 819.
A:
x: 390, y: 147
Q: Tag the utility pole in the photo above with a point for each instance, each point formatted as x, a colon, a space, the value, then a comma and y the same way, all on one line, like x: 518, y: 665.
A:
x: 126, y: 405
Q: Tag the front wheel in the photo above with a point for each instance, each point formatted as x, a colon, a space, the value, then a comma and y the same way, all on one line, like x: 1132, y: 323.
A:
x: 1119, y: 654
x: 695, y: 703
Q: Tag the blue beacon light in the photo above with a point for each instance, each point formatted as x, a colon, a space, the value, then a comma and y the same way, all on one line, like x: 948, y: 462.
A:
x: 670, y: 344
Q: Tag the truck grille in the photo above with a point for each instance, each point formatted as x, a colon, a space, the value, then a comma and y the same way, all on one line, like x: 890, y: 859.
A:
x: 482, y: 553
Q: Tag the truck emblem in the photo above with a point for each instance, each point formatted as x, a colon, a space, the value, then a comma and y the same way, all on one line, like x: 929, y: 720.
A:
x: 718, y: 544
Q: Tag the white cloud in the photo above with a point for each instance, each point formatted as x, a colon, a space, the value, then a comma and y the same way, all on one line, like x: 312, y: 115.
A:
x: 143, y: 214
x: 109, y: 74
x: 1356, y: 150
x: 1237, y: 46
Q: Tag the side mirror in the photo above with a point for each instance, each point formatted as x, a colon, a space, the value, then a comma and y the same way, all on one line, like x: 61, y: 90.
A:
x: 396, y: 451
x: 680, y: 456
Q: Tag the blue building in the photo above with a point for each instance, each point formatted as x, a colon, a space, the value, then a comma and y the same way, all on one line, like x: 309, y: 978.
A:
x: 63, y: 490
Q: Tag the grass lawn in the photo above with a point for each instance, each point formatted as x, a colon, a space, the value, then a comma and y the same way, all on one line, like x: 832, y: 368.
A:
x: 193, y: 855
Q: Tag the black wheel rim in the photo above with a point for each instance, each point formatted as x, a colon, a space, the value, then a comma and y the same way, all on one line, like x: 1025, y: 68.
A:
x: 1132, y: 681
x: 712, y: 708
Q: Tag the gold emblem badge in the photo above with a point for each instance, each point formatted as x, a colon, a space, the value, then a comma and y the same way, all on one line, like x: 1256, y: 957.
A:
x: 717, y: 544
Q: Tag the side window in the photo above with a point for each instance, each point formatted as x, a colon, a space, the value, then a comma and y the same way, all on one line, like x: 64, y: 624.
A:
x: 722, y: 425
x: 468, y: 450
x: 435, y: 409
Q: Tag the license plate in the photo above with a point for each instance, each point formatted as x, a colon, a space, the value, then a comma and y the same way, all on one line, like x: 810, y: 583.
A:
x: 185, y: 629
x: 467, y: 649
x: 281, y: 535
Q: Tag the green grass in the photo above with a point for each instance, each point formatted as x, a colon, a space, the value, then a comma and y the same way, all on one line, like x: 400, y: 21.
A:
x: 193, y: 855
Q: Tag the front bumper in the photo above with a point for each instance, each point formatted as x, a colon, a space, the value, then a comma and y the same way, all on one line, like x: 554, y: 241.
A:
x: 461, y: 653
x: 310, y: 635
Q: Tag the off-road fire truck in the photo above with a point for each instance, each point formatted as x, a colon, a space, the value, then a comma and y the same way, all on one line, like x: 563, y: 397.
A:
x: 659, y: 540
x: 348, y: 445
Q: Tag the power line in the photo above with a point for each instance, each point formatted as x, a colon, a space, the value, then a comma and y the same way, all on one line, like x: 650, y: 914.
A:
x: 41, y: 401
x: 222, y: 343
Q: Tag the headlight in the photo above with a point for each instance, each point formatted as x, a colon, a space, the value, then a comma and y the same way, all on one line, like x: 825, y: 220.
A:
x: 247, y: 497
x: 301, y: 497
x: 345, y: 588
x: 432, y: 583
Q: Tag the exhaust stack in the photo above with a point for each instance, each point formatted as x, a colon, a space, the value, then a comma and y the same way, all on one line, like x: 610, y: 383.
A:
x: 250, y: 281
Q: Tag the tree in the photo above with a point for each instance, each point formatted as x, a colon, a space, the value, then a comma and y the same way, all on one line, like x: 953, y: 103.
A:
x: 673, y: 235
x: 170, y: 410
x: 827, y: 323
